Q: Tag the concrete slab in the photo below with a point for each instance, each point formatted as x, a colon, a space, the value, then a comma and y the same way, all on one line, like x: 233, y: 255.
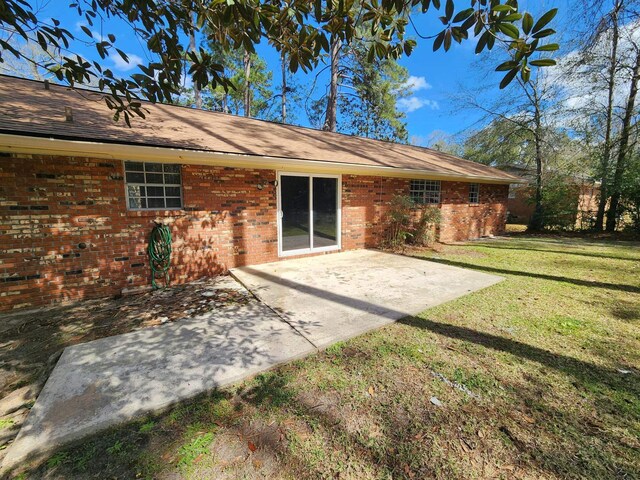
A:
x: 322, y: 300
x: 99, y: 384
x: 338, y: 296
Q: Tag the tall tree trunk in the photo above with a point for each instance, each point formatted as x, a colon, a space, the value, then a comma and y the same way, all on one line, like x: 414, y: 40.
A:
x: 283, y: 61
x: 247, y: 84
x: 537, y: 219
x: 330, y: 120
x: 606, y: 150
x: 623, y: 150
x: 192, y: 48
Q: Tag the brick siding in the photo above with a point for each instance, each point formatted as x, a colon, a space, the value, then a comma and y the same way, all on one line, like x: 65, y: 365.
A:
x: 66, y: 234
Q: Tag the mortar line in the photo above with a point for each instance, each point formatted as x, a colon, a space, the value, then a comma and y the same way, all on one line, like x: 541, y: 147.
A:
x: 257, y: 297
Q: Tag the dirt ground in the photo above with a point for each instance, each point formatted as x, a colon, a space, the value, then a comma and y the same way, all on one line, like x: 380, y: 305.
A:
x: 33, y: 340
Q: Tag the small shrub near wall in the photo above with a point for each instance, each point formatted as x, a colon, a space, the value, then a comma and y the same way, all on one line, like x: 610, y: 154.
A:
x: 399, y: 219
x: 425, y: 227
x: 410, y: 223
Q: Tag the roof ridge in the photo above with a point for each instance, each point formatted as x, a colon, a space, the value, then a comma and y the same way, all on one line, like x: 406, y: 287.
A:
x: 191, y: 129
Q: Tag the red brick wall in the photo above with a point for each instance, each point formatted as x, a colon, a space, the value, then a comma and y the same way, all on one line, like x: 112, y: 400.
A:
x: 365, y: 202
x: 463, y: 221
x: 66, y: 234
x: 521, y: 207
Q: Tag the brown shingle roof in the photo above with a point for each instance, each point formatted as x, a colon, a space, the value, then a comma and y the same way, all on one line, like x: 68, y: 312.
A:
x: 29, y: 109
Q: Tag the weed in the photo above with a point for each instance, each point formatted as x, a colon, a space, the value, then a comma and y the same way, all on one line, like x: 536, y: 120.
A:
x: 196, y: 447
x: 6, y: 423
x: 147, y: 426
x: 115, y: 448
x: 57, y: 459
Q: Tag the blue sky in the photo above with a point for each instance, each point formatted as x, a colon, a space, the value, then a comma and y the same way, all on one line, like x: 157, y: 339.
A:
x: 436, y: 76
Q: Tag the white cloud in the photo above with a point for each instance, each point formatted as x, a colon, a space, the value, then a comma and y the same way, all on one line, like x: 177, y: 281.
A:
x: 415, y: 84
x: 414, y: 103
x: 118, y: 61
x: 120, y: 64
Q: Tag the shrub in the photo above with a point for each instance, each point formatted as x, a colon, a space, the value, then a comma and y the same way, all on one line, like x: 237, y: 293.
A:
x: 425, y: 227
x: 399, y: 221
x: 408, y: 222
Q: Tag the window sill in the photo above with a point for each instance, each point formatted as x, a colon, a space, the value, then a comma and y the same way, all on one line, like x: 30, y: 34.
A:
x: 161, y: 212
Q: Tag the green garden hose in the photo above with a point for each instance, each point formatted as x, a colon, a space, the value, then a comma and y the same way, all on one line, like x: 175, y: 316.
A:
x: 160, y: 253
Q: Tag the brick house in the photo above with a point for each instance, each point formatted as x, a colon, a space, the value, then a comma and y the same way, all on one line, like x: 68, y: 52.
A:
x: 79, y: 192
x: 580, y: 203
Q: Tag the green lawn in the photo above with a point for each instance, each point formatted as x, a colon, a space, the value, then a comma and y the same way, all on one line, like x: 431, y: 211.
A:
x: 537, y: 377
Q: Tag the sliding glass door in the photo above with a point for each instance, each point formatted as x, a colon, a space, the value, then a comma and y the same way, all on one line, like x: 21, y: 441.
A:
x: 309, y: 213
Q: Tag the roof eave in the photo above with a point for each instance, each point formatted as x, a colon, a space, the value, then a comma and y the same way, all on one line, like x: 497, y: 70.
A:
x: 15, y: 143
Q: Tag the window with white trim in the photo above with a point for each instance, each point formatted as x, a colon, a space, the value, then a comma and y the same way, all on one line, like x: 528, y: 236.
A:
x: 425, y: 191
x: 153, y: 186
x: 512, y: 192
x: 474, y: 193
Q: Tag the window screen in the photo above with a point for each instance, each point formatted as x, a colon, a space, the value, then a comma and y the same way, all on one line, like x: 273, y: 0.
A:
x: 425, y: 191
x: 152, y: 186
x: 474, y: 193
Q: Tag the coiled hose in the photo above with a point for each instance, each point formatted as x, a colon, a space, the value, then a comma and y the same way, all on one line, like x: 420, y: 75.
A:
x: 160, y: 253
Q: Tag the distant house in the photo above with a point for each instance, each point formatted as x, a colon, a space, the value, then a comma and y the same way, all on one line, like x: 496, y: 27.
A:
x: 581, y: 205
x: 79, y: 192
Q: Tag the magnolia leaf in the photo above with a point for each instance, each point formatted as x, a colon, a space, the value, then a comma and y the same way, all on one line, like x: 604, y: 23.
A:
x: 509, y: 30
x: 544, y: 20
x: 543, y: 62
x: 508, y: 78
x: 544, y: 33
x: 550, y: 47
x: 527, y: 23
x: 503, y: 67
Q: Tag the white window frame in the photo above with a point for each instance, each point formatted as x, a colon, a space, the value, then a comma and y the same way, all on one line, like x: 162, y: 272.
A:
x: 148, y: 184
x: 426, y: 192
x: 476, y: 193
x: 311, y: 249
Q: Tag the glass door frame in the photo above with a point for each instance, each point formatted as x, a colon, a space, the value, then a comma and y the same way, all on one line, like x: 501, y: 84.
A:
x: 311, y: 249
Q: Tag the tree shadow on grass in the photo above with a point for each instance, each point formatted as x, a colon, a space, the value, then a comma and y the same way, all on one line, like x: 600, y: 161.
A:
x: 560, y: 252
x: 398, y: 449
x: 586, y: 373
x: 542, y: 276
x: 589, y: 376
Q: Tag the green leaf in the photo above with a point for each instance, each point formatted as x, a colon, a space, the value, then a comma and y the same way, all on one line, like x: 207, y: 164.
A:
x: 502, y: 8
x: 482, y: 42
x: 550, y: 47
x: 509, y: 30
x: 509, y: 65
x: 544, y: 33
x: 508, y: 78
x: 437, y: 43
x: 527, y: 23
x: 512, y: 17
x: 543, y: 62
x: 544, y: 20
x: 449, y: 9
x: 87, y: 31
x: 463, y: 15
x: 447, y: 40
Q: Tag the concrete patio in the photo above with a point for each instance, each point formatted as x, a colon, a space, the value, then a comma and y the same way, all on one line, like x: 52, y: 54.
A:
x: 318, y: 300
x: 339, y: 296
